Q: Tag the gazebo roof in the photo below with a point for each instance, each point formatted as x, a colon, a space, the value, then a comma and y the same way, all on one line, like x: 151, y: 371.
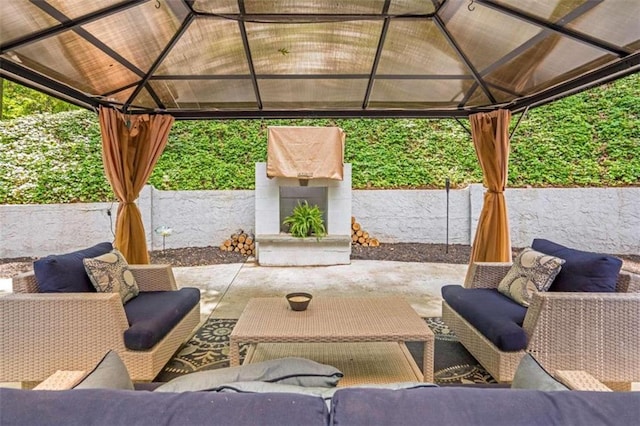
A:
x: 292, y: 58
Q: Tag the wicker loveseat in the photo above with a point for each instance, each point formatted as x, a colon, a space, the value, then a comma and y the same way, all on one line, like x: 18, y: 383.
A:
x: 595, y: 332
x: 45, y: 332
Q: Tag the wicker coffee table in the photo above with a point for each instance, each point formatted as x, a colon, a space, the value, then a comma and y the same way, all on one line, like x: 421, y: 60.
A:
x: 364, y: 337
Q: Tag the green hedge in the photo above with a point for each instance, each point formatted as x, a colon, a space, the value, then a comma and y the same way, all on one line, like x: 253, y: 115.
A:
x: 589, y: 139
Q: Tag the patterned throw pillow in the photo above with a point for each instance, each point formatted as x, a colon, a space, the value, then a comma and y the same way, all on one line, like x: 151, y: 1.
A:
x: 531, y: 271
x: 110, y: 273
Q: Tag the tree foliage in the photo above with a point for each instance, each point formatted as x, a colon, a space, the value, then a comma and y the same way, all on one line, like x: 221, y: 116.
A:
x: 19, y: 101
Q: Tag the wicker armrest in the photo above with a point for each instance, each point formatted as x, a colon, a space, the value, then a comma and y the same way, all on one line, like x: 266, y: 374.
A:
x: 580, y: 380
x: 25, y: 283
x: 154, y: 277
x: 596, y: 332
x: 56, y: 309
x: 61, y: 380
x: 71, y: 329
x: 628, y: 282
x: 486, y: 274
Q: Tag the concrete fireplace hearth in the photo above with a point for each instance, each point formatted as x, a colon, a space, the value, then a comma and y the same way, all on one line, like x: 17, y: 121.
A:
x: 275, y: 199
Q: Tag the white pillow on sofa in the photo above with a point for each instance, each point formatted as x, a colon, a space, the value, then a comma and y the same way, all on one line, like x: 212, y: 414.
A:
x: 291, y: 371
x: 531, y: 375
x: 110, y: 373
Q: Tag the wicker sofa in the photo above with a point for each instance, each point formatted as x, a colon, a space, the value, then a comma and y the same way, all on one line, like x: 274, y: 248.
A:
x: 595, y: 332
x: 45, y: 332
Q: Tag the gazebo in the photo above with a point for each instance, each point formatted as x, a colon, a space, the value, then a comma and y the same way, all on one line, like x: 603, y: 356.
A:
x: 144, y: 63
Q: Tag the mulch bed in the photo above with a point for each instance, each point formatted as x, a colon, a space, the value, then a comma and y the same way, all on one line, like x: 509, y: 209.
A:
x: 401, y: 252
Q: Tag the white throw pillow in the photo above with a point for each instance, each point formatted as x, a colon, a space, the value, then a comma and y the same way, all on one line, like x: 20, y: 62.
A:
x: 110, y: 373
x: 290, y: 371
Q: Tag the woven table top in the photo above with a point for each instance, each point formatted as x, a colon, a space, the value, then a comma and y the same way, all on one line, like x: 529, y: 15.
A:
x: 348, y: 319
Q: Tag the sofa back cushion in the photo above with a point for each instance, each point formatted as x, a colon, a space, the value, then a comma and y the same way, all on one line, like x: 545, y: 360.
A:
x: 497, y: 317
x: 153, y: 314
x: 472, y: 406
x: 121, y: 407
x: 65, y: 273
x: 582, y: 270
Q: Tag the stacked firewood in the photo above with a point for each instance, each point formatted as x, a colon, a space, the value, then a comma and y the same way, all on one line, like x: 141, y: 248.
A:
x: 360, y: 237
x: 240, y: 242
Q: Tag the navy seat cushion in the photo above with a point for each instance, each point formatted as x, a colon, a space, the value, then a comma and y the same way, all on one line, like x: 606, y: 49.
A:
x: 65, y: 273
x: 468, y: 406
x: 153, y: 314
x: 494, y: 315
x: 582, y: 271
x: 110, y: 407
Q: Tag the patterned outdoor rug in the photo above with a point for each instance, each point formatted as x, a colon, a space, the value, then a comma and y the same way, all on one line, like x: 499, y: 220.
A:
x: 208, y: 349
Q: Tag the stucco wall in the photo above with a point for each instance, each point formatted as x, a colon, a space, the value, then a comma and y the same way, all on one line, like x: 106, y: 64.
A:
x: 599, y: 219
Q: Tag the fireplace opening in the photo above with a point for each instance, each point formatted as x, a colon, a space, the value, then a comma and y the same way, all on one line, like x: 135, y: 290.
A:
x: 290, y: 196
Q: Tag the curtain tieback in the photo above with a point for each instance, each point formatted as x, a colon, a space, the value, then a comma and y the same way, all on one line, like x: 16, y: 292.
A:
x: 124, y: 203
x: 495, y: 192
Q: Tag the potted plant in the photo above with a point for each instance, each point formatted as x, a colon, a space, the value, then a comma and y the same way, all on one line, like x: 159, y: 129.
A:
x: 306, y: 220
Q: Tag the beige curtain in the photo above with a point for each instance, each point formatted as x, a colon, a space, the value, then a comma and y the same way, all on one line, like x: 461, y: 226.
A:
x: 131, y: 146
x: 490, y: 133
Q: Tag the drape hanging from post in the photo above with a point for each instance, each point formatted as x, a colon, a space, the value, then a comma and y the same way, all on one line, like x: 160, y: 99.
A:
x: 490, y: 133
x: 131, y: 146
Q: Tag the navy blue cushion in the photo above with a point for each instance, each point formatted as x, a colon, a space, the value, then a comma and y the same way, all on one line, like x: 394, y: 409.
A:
x: 119, y: 407
x: 494, y: 315
x: 65, y: 273
x: 472, y: 406
x: 153, y: 314
x: 582, y: 271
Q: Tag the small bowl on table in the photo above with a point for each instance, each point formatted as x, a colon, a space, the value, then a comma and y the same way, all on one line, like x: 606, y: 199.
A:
x: 299, y: 301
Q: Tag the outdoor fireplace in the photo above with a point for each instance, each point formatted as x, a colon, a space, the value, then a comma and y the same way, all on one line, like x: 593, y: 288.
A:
x: 303, y: 164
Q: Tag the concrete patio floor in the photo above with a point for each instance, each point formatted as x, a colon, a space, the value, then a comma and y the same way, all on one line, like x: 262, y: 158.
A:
x: 226, y: 289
